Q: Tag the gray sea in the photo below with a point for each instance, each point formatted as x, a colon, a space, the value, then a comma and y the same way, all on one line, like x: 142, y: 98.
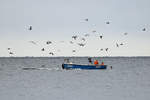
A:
x: 129, y: 79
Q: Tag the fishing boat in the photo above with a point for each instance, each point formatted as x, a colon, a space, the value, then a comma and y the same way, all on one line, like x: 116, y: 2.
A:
x: 83, y: 66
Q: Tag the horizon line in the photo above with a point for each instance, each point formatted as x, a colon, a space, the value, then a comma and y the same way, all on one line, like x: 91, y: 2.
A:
x: 62, y: 56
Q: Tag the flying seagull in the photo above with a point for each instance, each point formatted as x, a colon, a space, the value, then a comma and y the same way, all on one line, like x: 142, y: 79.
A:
x: 74, y: 37
x: 48, y: 42
x: 125, y: 33
x: 51, y: 53
x: 106, y: 49
x: 32, y: 42
x: 86, y: 35
x: 8, y: 48
x: 86, y: 19
x: 101, y: 36
x: 144, y: 29
x: 101, y: 49
x: 42, y: 49
x: 81, y: 44
x: 107, y: 22
x: 11, y: 53
x: 121, y: 43
x: 117, y: 45
x: 73, y: 50
x: 30, y: 28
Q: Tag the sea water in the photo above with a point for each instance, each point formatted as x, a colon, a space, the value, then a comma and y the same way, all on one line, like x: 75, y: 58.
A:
x: 129, y: 79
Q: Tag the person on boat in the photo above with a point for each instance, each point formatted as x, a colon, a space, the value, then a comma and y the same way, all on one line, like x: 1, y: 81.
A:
x: 96, y: 62
x: 90, y: 60
x: 66, y: 60
x: 102, y: 63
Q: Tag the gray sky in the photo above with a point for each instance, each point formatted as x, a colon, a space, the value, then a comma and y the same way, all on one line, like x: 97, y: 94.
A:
x: 59, y: 20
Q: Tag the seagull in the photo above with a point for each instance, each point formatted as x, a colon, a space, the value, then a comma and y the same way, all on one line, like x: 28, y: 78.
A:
x: 51, y: 53
x: 48, y: 42
x: 42, y: 49
x: 11, y: 53
x: 81, y: 44
x: 121, y: 43
x: 86, y: 35
x: 101, y: 36
x: 144, y: 29
x: 125, y: 33
x: 107, y: 22
x: 71, y: 42
x: 86, y: 19
x: 32, y: 42
x: 8, y: 48
x: 83, y: 39
x: 73, y: 50
x: 30, y: 28
x: 74, y: 37
x: 101, y: 49
x: 106, y: 49
x: 117, y: 45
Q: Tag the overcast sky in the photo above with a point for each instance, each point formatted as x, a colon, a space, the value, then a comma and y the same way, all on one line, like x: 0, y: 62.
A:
x: 59, y: 20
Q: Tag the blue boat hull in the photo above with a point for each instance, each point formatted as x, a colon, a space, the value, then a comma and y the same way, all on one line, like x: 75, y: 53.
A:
x: 76, y: 66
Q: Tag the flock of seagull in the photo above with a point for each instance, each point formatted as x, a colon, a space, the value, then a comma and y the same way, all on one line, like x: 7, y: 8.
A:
x: 82, y: 42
